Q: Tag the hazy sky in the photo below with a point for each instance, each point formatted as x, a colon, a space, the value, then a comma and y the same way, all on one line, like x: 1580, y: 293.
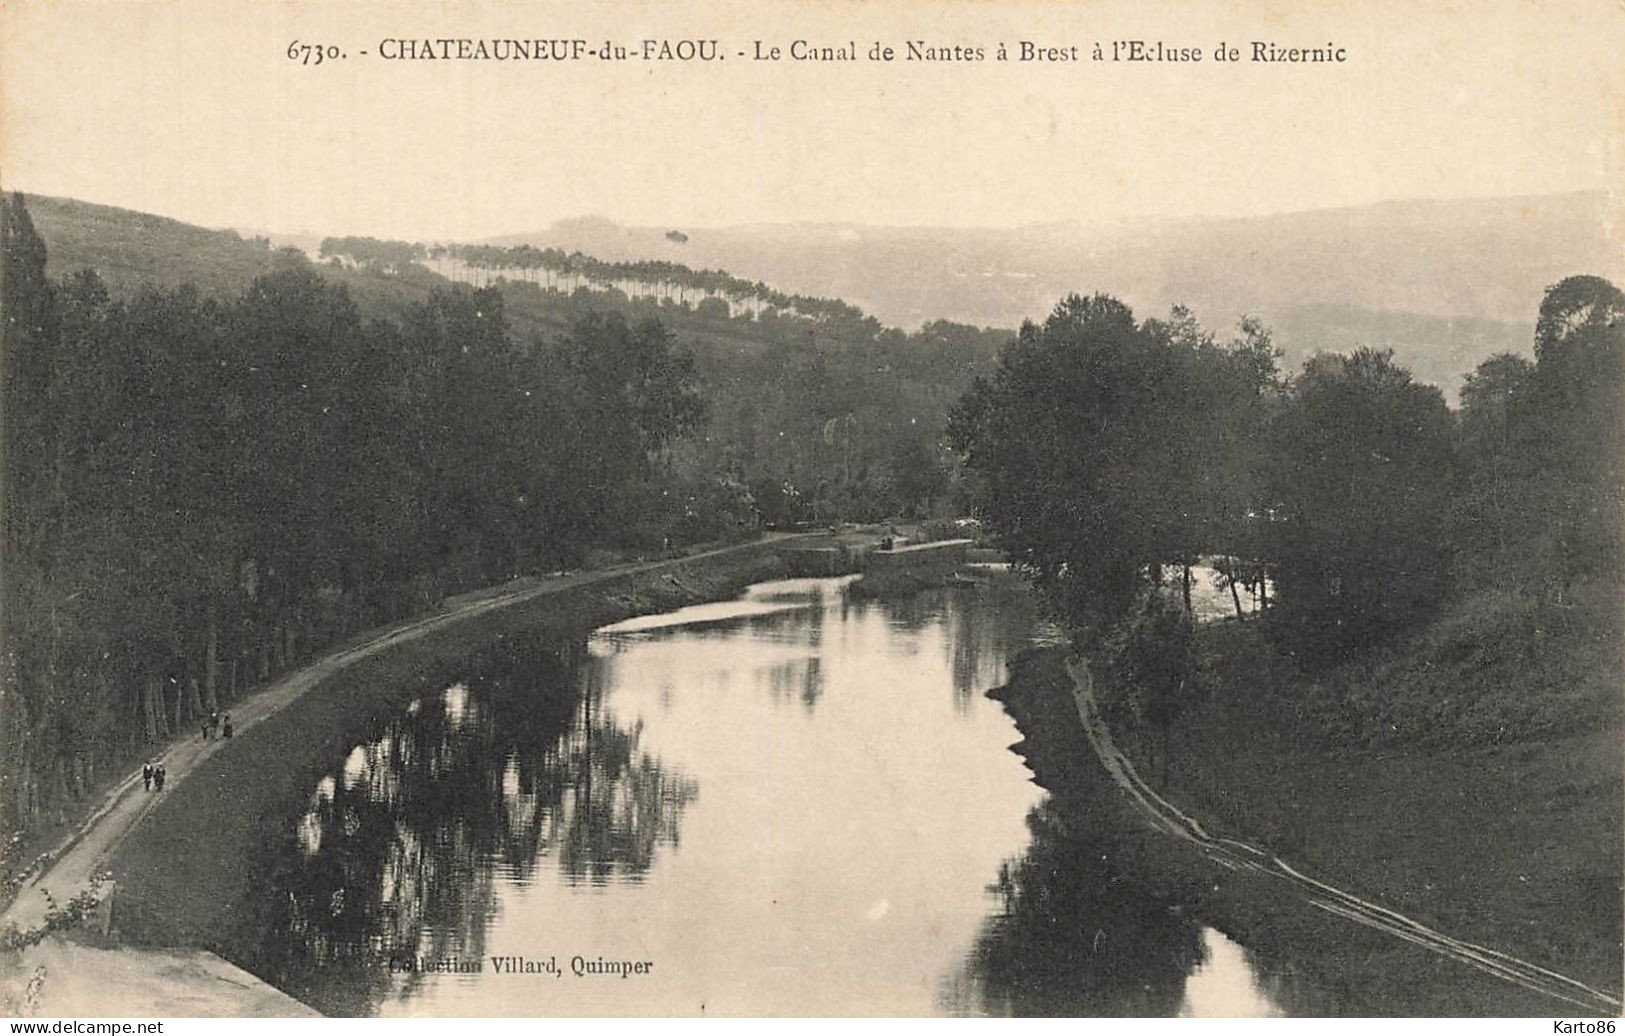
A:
x: 194, y: 110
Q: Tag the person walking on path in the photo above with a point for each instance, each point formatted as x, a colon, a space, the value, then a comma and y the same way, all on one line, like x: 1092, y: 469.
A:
x: 146, y: 774
x: 158, y: 776
x: 225, y: 727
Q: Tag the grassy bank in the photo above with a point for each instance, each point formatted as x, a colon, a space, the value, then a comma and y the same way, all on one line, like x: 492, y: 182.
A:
x: 1495, y: 667
x: 182, y: 874
x: 1309, y: 962
x: 1469, y: 776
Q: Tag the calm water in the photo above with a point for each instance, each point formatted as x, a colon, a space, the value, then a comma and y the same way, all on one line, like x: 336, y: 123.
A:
x: 795, y: 803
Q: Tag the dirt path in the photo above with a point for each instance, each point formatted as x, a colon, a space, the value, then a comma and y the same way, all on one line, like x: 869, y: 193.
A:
x: 1241, y: 856
x: 83, y: 854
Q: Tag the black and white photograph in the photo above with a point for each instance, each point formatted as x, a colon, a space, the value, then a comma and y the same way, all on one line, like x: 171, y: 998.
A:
x: 812, y: 508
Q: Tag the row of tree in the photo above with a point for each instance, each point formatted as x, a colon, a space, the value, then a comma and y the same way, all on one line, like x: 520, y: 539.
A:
x: 199, y: 491
x: 1108, y: 453
x: 1104, y: 450
x: 571, y: 271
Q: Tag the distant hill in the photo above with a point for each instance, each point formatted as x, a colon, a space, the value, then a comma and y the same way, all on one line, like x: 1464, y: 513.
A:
x: 1484, y: 258
x: 1446, y: 283
x: 130, y: 249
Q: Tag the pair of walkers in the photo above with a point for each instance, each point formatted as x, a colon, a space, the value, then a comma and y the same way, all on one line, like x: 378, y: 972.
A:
x: 153, y: 775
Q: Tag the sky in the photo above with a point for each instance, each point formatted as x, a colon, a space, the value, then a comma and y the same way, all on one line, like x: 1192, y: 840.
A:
x: 194, y: 110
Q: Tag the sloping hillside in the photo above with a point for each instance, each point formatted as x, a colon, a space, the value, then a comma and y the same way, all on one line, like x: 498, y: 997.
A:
x: 129, y: 249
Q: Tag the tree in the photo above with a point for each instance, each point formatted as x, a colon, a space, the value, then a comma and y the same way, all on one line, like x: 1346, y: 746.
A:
x: 917, y: 474
x: 1543, y: 448
x: 1076, y: 439
x: 1574, y: 312
x: 627, y: 392
x: 1493, y: 516
x: 30, y: 331
x: 1150, y: 659
x: 28, y: 339
x: 1577, y: 423
x: 1361, y: 461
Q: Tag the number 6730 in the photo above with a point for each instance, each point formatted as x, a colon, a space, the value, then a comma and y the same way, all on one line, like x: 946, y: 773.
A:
x: 312, y: 53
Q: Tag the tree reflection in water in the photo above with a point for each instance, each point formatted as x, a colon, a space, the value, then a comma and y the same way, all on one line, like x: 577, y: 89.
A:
x: 986, y: 625
x: 1075, y: 937
x: 796, y: 679
x: 400, y: 851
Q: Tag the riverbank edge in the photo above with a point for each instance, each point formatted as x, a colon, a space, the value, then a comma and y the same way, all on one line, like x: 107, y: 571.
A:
x: 180, y: 874
x: 1285, y: 936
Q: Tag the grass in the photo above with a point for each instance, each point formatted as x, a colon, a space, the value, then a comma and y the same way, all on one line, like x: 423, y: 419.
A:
x: 1444, y: 840
x: 1468, y: 775
x: 1494, y: 667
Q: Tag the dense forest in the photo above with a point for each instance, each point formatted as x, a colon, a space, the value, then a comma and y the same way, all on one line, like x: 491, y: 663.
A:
x: 1112, y: 455
x: 205, y: 485
x: 200, y: 490
x: 818, y: 408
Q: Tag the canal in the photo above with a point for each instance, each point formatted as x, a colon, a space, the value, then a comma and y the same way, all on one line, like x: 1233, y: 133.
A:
x: 794, y: 803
